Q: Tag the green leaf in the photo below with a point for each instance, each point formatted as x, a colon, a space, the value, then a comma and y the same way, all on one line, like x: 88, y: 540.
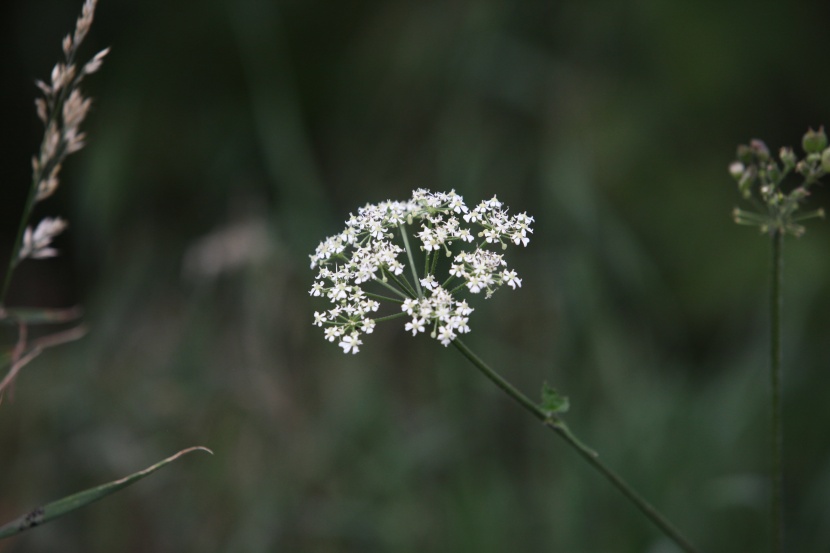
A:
x: 553, y: 403
x: 68, y: 504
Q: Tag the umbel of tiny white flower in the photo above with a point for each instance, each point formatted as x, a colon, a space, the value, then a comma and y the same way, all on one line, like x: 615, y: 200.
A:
x: 365, y: 265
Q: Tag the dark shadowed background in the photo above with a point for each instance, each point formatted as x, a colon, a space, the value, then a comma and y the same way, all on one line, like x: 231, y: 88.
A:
x: 229, y: 137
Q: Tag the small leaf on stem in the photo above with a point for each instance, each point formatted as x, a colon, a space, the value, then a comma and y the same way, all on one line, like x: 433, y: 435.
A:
x: 553, y: 403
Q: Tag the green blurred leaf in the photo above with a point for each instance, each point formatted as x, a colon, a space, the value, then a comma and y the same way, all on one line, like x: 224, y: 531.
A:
x: 68, y: 504
x: 39, y: 316
x: 553, y: 402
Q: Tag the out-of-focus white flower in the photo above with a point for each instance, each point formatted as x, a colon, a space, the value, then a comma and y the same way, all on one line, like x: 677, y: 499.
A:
x: 36, y: 242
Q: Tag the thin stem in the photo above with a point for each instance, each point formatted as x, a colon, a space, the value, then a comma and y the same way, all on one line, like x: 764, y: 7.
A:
x: 403, y: 283
x: 411, y: 260
x: 381, y: 297
x: 776, y: 416
x: 558, y: 425
x: 390, y: 287
x: 390, y: 317
x: 18, y: 241
x: 809, y: 215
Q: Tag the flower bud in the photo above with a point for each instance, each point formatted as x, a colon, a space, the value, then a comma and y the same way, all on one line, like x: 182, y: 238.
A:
x: 773, y: 173
x: 787, y: 158
x: 825, y: 160
x: 759, y: 149
x: 745, y: 182
x: 744, y: 154
x: 736, y: 169
x: 814, y: 142
x: 799, y: 194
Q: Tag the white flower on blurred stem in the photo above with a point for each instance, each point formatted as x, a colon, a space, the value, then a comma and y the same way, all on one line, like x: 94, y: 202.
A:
x: 362, y: 266
x: 416, y: 325
x: 511, y: 279
x: 36, y: 242
x: 350, y: 343
x: 446, y: 335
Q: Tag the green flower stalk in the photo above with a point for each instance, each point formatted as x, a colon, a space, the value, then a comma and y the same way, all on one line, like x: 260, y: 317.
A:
x: 365, y: 254
x: 760, y: 179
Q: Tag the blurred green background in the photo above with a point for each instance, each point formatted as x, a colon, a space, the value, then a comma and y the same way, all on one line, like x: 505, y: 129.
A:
x: 229, y: 137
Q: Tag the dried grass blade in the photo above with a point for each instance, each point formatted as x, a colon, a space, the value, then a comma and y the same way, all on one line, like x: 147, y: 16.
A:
x: 70, y: 503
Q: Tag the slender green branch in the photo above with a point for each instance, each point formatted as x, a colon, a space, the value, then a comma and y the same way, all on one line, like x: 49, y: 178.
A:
x: 459, y: 287
x: 390, y: 317
x: 411, y: 260
x: 809, y: 215
x: 776, y: 416
x: 403, y: 283
x: 558, y: 425
x: 381, y: 297
x: 435, y: 257
x: 18, y: 241
x: 388, y: 286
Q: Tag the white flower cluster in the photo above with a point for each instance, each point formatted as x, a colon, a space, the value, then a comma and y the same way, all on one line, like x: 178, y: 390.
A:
x: 365, y: 253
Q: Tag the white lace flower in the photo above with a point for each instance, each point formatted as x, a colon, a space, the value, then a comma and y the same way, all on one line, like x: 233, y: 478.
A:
x: 364, y: 265
x: 350, y: 343
x: 446, y: 335
x: 416, y: 325
x: 511, y: 279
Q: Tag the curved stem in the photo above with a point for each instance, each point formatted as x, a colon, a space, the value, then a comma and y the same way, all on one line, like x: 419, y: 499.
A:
x: 776, y: 416
x: 558, y: 425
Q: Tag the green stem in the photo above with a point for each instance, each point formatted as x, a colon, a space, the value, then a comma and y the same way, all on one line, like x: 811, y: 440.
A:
x: 776, y: 416
x: 389, y: 287
x: 559, y: 426
x: 403, y: 283
x: 381, y: 297
x: 390, y: 317
x: 435, y: 261
x: 18, y: 241
x: 411, y: 260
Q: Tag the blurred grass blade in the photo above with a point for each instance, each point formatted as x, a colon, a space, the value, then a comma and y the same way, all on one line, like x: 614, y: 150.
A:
x: 68, y: 504
x: 37, y: 347
x: 39, y: 316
